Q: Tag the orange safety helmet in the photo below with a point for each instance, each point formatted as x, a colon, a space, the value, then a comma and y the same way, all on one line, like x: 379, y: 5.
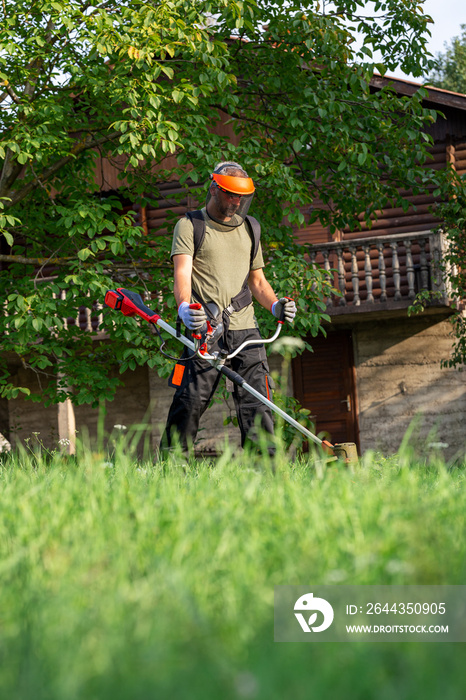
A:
x: 236, y: 185
x: 240, y: 185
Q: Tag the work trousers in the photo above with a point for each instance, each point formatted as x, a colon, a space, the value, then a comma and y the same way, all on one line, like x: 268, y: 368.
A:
x: 200, y: 380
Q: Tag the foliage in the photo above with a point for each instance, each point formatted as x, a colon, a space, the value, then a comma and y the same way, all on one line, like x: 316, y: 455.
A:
x: 132, y: 580
x: 450, y: 71
x: 423, y: 299
x: 450, y: 268
x: 453, y: 213
x: 450, y: 74
x: 141, y: 85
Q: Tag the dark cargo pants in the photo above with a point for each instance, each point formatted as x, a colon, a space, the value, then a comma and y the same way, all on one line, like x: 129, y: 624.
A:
x: 200, y: 380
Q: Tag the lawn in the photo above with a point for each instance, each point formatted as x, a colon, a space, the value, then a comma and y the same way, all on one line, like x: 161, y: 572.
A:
x: 132, y: 580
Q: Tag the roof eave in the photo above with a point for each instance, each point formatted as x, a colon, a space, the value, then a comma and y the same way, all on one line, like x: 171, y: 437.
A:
x: 407, y: 87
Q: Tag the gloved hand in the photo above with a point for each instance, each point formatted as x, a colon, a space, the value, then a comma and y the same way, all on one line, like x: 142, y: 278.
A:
x: 192, y: 316
x: 284, y: 309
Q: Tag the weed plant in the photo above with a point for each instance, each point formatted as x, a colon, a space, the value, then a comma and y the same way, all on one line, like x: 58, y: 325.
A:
x: 133, y: 580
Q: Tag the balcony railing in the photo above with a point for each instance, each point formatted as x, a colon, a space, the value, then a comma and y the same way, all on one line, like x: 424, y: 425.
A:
x: 371, y: 273
x: 88, y: 319
x: 385, y: 272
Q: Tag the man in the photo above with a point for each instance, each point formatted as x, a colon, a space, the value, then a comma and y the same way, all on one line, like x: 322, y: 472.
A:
x: 220, y: 273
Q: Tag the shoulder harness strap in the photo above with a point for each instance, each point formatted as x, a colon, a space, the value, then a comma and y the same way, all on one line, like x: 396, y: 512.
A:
x: 198, y: 223
x: 255, y: 229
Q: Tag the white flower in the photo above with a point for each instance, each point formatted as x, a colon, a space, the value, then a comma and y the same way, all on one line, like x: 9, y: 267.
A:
x: 246, y: 685
x: 287, y: 342
x: 396, y: 566
x: 120, y: 427
x: 336, y: 576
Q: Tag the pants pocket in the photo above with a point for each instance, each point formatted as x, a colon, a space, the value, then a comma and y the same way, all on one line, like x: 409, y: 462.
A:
x: 177, y: 376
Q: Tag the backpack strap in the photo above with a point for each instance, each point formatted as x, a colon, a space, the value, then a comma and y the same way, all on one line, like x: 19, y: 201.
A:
x: 198, y: 222
x: 255, y: 229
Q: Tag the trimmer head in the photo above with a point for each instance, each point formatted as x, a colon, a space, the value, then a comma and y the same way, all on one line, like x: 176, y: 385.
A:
x: 346, y: 451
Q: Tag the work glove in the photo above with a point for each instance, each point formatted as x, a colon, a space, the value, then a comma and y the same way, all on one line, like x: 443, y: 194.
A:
x: 284, y: 309
x: 192, y: 315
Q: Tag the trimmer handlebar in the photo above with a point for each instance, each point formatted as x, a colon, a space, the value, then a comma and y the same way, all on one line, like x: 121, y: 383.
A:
x: 131, y: 304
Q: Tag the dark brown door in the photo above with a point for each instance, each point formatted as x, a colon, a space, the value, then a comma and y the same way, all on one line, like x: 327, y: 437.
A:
x: 324, y: 383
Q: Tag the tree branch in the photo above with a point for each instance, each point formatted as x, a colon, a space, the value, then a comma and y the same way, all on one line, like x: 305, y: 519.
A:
x: 9, y: 92
x: 63, y: 262
x: 10, y: 172
x: 78, y: 148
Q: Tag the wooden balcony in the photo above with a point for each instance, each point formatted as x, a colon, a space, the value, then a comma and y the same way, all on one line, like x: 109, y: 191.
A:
x: 383, y: 273
x: 374, y: 275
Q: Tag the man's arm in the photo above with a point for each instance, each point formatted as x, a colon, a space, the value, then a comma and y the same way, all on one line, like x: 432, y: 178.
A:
x: 261, y: 289
x: 183, y: 271
x: 283, y: 309
x: 193, y: 318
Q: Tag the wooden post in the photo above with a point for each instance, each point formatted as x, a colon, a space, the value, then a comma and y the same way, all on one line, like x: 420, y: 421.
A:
x: 424, y: 265
x: 66, y: 427
x: 410, y: 270
x: 396, y: 270
x: 355, y: 276
x: 368, y: 274
x: 341, y: 276
x: 382, y: 272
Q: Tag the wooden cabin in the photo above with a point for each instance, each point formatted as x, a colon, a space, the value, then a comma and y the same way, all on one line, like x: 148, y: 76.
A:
x: 377, y: 369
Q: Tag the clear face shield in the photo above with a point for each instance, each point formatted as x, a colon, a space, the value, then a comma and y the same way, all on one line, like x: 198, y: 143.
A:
x: 229, y: 198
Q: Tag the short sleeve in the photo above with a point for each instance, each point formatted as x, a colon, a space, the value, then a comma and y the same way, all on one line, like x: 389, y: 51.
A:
x: 183, y: 241
x: 258, y: 261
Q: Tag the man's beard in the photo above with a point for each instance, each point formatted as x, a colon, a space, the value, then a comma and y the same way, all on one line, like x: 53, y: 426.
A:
x: 228, y: 209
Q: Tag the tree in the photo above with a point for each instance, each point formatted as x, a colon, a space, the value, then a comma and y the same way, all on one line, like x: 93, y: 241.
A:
x: 450, y: 74
x: 139, y: 81
x: 452, y: 211
x: 450, y: 71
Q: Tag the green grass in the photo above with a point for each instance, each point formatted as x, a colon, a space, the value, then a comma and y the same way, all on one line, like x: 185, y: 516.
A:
x: 127, y: 580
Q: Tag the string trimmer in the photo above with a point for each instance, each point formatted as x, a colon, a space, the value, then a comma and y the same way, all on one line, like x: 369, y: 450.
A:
x: 131, y: 304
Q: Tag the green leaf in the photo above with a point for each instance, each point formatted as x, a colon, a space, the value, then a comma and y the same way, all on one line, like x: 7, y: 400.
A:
x: 84, y: 253
x: 169, y: 72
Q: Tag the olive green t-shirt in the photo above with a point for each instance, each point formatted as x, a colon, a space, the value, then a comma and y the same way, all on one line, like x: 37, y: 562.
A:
x: 221, y: 264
